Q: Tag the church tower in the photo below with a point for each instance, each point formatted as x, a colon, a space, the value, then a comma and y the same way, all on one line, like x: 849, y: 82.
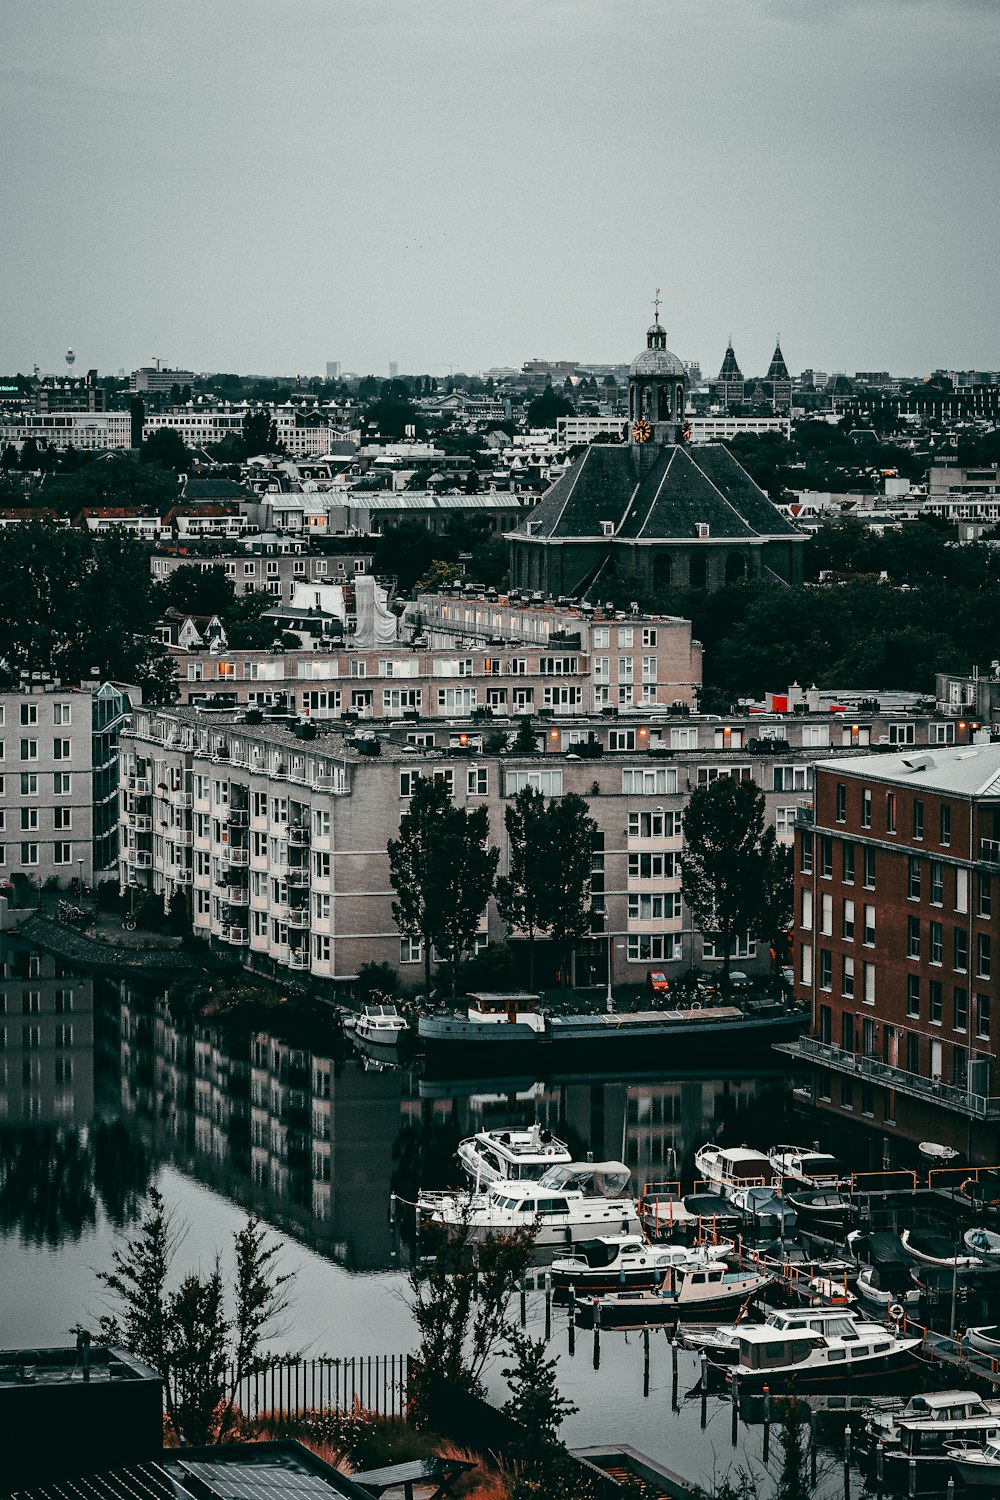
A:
x: 656, y: 380
x: 777, y: 381
x: 730, y: 385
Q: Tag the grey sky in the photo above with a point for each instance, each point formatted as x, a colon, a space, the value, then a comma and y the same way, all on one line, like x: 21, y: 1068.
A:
x: 268, y: 184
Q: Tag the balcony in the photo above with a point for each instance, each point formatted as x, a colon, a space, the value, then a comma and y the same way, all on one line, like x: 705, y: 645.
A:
x: 298, y: 833
x: 140, y: 785
x: 180, y: 799
x: 239, y: 817
x: 913, y: 1085
x: 180, y: 836
x: 141, y: 858
x: 183, y: 876
x: 297, y: 917
x: 298, y: 958
x: 235, y: 856
x: 140, y: 822
x: 804, y: 815
x: 299, y: 876
x: 235, y: 935
x: 989, y: 852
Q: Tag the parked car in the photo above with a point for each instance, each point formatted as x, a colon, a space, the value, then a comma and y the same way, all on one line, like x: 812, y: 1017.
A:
x: 657, y: 982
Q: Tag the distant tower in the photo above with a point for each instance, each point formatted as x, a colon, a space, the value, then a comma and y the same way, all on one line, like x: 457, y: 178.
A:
x: 70, y: 361
x: 656, y: 380
x: 777, y: 381
x: 730, y: 385
x: 393, y: 369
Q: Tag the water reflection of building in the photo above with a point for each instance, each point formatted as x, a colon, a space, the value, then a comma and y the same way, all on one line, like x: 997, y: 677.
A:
x: 46, y: 1040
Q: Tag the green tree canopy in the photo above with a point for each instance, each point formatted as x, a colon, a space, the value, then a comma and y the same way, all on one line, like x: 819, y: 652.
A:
x: 728, y: 852
x: 546, y: 889
x: 199, y: 591
x: 166, y: 448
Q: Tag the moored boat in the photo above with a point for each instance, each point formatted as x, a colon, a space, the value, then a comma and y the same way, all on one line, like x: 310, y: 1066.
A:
x: 933, y: 1250
x: 806, y: 1165
x: 825, y: 1211
x: 510, y: 1155
x: 734, y: 1171
x: 913, y: 1448
x: 688, y: 1291
x: 380, y: 1025
x: 613, y: 1262
x: 817, y: 1346
x: 979, y: 1469
x: 569, y: 1203
x: 985, y: 1339
x: 984, y: 1243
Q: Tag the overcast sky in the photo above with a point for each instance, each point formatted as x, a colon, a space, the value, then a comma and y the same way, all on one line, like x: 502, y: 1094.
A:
x: 263, y: 185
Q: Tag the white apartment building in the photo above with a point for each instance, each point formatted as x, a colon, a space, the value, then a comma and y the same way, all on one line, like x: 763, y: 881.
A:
x: 89, y: 431
x: 279, y: 837
x: 719, y: 429
x: 963, y: 494
x: 46, y: 784
x: 279, y: 572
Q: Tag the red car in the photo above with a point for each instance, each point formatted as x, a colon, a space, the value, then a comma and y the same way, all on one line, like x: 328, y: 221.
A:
x: 657, y: 982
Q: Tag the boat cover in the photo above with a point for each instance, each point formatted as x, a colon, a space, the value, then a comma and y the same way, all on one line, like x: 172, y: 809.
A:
x: 606, y: 1179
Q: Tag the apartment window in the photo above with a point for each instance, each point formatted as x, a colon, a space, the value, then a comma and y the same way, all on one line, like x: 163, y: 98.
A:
x: 869, y: 977
x: 918, y: 818
x: 625, y: 636
x: 478, y: 781
x: 912, y: 1052
x: 649, y: 669
x: 806, y: 854
x: 653, y: 867
x: 961, y: 946
x: 869, y: 874
x: 984, y: 896
x: 913, y: 937
x: 983, y: 1017
x: 846, y: 1031
x: 656, y: 825
x: 944, y: 833
x: 826, y: 857
x: 807, y: 910
x: 847, y: 1093
x: 866, y: 807
x: 321, y: 947
x: 62, y: 853
x: 408, y: 782
x: 649, y: 636
x: 960, y: 1009
x: 62, y: 715
x: 869, y: 927
x: 61, y: 750
x: 847, y: 977
x: 410, y: 950
x: 62, y: 819
x: 29, y: 713
x: 847, y: 924
x: 659, y: 782
x: 913, y: 879
x: 935, y: 998
x: 825, y: 969
x: 29, y: 854
x: 806, y: 962
x: 654, y: 908
x: 549, y: 783
x: 790, y: 778
x: 814, y: 735
x: 645, y: 947
x: 321, y: 906
x: 621, y: 739
x: 841, y: 802
x: 890, y: 812
x: 913, y: 995
x: 848, y: 863
x: 61, y: 783
x: 826, y: 915
x: 29, y: 749
x: 602, y: 636
x: 937, y: 943
x: 29, y: 819
x: 625, y: 669
x: 983, y: 955
x: 937, y: 883
x: 961, y: 890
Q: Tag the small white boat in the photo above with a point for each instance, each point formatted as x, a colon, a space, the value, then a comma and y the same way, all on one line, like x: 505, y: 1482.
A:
x: 510, y: 1155
x: 569, y: 1203
x: 984, y: 1243
x: 937, y: 1155
x: 734, y: 1171
x: 828, y: 1345
x: 931, y: 1250
x: 884, y: 1286
x: 380, y: 1025
x: 830, y: 1292
x: 611, y: 1262
x: 979, y: 1470
x: 816, y: 1169
x: 985, y: 1339
x: 692, y: 1291
x: 919, y: 1442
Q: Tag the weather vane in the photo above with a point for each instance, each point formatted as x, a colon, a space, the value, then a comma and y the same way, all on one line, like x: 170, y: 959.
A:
x: 656, y: 305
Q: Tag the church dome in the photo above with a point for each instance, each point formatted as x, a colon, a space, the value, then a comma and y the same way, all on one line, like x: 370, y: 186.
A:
x: 656, y: 362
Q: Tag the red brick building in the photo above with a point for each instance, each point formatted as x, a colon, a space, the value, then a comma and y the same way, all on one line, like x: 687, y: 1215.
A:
x: 897, y: 900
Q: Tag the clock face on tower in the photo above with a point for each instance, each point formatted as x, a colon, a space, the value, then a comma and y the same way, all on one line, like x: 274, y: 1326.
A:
x: 641, y: 431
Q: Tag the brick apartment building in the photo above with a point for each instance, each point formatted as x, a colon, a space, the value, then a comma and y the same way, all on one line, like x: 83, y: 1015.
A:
x: 897, y: 876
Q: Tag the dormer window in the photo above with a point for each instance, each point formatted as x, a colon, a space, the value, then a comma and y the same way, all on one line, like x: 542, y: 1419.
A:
x: 607, y: 528
x: 703, y: 529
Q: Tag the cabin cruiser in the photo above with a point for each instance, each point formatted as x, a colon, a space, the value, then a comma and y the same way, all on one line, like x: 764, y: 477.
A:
x: 510, y: 1155
x: 978, y: 1468
x: 815, y: 1169
x: 815, y: 1345
x: 734, y: 1171
x: 688, y: 1290
x: 713, y: 1212
x: 821, y: 1211
x: 380, y: 1025
x: 567, y: 1204
x: 610, y: 1262
x: 925, y: 1437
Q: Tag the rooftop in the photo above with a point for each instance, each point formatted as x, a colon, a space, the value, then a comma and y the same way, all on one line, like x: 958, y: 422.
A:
x: 967, y: 770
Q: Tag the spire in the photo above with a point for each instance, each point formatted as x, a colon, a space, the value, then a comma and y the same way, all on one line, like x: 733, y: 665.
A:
x: 656, y: 306
x: 656, y: 334
x: 777, y: 370
x: 730, y: 369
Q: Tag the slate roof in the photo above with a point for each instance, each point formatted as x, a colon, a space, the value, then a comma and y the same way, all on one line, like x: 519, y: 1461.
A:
x: 215, y: 489
x: 684, y: 486
x: 730, y: 369
x: 777, y: 370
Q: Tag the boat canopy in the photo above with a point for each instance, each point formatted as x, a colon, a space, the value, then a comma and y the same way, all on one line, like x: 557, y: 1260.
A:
x: 606, y: 1179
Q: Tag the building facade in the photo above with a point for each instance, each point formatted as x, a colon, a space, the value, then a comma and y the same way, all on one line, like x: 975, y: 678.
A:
x: 897, y: 906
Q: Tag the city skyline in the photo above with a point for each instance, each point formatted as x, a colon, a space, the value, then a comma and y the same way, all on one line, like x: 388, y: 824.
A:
x: 255, y: 188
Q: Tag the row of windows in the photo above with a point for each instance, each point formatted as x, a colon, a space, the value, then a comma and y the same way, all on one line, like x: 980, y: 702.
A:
x: 30, y: 853
x: 890, y: 819
x: 28, y: 782
x: 61, y: 749
x: 62, y: 714
x: 62, y: 819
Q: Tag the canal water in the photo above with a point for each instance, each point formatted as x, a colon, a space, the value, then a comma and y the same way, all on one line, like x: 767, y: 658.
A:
x: 108, y: 1087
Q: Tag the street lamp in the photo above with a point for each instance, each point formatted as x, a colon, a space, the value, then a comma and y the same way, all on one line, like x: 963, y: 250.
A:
x: 79, y: 865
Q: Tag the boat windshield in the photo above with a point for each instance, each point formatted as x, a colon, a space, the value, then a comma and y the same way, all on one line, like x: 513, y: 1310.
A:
x: 606, y: 1179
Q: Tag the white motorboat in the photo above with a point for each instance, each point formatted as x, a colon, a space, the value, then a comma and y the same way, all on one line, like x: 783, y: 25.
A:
x: 510, y: 1155
x: 721, y: 1345
x: 802, y: 1164
x: 569, y: 1203
x: 936, y: 1154
x: 918, y: 1444
x: 979, y: 1470
x: 888, y: 1285
x: 932, y: 1250
x: 380, y: 1025
x: 688, y: 1291
x: 950, y: 1411
x: 984, y: 1243
x: 816, y: 1345
x: 734, y: 1171
x: 985, y: 1339
x: 611, y: 1262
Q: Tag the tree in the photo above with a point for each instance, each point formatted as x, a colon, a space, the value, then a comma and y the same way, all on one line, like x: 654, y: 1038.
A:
x: 547, y: 408
x: 260, y: 433
x: 440, y: 575
x: 535, y: 1400
x: 166, y: 448
x: 777, y: 903
x: 728, y: 852
x: 442, y: 872
x: 460, y: 1294
x: 524, y: 740
x: 199, y: 591
x: 199, y: 1353
x: 547, y: 885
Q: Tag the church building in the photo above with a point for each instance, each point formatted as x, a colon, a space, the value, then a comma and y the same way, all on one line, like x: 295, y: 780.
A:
x: 678, y: 514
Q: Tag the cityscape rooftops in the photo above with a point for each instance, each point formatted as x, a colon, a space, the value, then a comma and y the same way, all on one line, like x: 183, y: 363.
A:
x: 967, y: 771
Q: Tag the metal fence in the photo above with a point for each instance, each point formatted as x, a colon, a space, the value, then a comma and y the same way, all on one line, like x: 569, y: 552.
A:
x: 286, y: 1388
